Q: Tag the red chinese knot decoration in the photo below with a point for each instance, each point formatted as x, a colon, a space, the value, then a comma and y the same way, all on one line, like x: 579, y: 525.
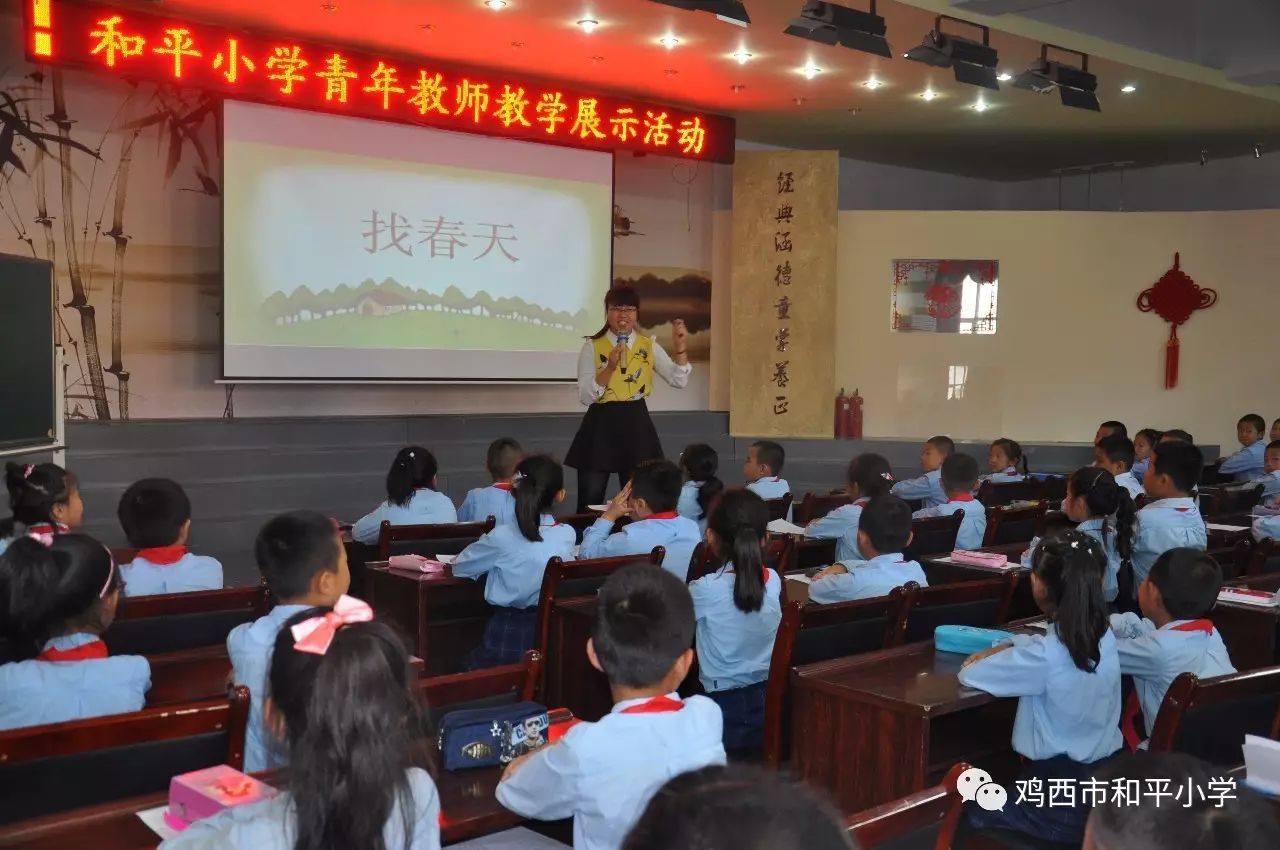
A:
x: 1174, y: 298
x: 942, y: 301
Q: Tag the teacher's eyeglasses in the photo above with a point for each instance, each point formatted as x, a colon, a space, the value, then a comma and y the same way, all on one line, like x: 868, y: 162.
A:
x: 627, y: 311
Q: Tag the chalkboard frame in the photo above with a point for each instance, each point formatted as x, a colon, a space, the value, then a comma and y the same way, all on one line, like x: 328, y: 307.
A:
x: 30, y: 391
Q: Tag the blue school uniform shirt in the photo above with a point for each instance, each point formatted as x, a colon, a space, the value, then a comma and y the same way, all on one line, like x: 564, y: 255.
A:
x: 1139, y: 469
x: 771, y: 487
x: 841, y: 524
x: 1270, y: 482
x: 1245, y: 464
x: 734, y: 647
x: 1154, y: 657
x: 1130, y: 482
x: 35, y: 692
x: 1267, y: 526
x: 688, y: 505
x: 603, y: 774
x: 927, y: 488
x: 425, y: 507
x: 271, y: 824
x: 514, y: 563
x: 492, y: 501
x: 867, y: 579
x: 1008, y: 475
x: 249, y: 645
x: 677, y: 534
x: 189, y: 573
x: 1163, y: 525
x: 973, y: 528
x: 1094, y: 528
x: 1062, y: 709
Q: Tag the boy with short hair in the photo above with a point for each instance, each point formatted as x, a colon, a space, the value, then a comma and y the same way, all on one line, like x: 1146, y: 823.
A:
x: 884, y: 530
x: 1109, y: 428
x: 1246, y: 464
x: 1170, y: 520
x: 763, y: 470
x: 301, y: 557
x: 1275, y: 430
x: 602, y: 774
x: 650, y: 499
x: 1173, y: 635
x: 155, y: 514
x: 959, y: 479
x: 928, y: 487
x: 1177, y: 435
x: 495, y: 501
x: 1115, y: 455
x: 1269, y: 526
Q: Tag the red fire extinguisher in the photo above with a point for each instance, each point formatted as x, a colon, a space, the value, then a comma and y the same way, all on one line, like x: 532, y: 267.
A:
x: 842, y: 415
x: 854, y: 427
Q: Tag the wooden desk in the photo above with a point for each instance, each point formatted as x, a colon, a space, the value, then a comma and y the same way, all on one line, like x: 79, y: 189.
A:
x: 442, y: 615
x: 466, y: 801
x: 571, y: 681
x: 1023, y: 604
x: 1249, y: 633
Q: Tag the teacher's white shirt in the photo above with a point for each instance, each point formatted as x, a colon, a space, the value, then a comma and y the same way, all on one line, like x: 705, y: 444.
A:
x: 589, y: 391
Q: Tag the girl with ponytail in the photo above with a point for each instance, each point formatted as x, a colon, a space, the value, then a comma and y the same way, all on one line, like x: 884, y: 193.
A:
x: 58, y: 594
x: 1068, y: 680
x: 43, y: 498
x: 1006, y: 461
x: 412, y: 497
x: 699, y: 464
x: 738, y: 608
x: 869, y: 476
x: 514, y: 557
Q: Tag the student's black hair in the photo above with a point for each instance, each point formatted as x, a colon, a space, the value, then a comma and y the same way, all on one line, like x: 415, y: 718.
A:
x: 658, y: 483
x: 737, y: 808
x: 1153, y: 436
x: 618, y: 296
x: 872, y: 475
x: 293, y: 548
x: 1116, y: 427
x: 1071, y: 566
x: 47, y: 591
x: 1273, y: 445
x: 413, y: 469
x: 644, y: 622
x: 959, y: 472
x: 943, y: 443
x: 34, y: 490
x: 700, y: 463
x: 1179, y: 460
x: 152, y: 512
x: 1013, y: 451
x: 1179, y: 434
x: 541, y: 478
x: 1104, y: 498
x: 354, y: 726
x: 1118, y: 450
x: 1188, y: 581
x: 771, y: 454
x: 1259, y: 424
x: 887, y: 522
x: 1241, y: 820
x: 502, y: 457
x: 739, y: 521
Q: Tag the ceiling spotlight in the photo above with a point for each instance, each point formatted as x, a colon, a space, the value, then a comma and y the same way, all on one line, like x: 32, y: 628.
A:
x: 810, y: 71
x: 329, y: 7
x: 1257, y: 151
x: 741, y: 55
x: 496, y: 5
x: 1129, y: 88
x: 729, y: 11
x: 1204, y: 157
x: 827, y: 23
x: 671, y: 72
x: 971, y: 62
x: 736, y: 87
x: 872, y: 83
x: 588, y: 25
x: 668, y: 41
x: 928, y: 94
x: 1076, y: 86
x: 853, y: 110
x: 597, y: 59
x: 1004, y: 76
x: 980, y: 105
x: 798, y: 101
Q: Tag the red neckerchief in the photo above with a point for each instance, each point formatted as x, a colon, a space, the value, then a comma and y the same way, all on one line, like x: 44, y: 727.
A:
x: 663, y: 515
x: 47, y: 528
x: 85, y: 652
x: 504, y: 486
x: 657, y: 705
x: 1009, y: 470
x: 163, y: 556
x: 862, y: 503
x: 963, y: 497
x: 1133, y: 708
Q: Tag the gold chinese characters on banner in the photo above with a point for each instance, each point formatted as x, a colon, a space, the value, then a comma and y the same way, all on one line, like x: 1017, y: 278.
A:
x: 782, y: 375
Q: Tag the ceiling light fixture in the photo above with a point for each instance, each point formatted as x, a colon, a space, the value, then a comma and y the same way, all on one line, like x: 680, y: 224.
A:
x: 736, y: 87
x: 729, y: 11
x: 928, y: 95
x: 798, y: 101
x: 971, y: 62
x: 827, y: 23
x: 496, y: 5
x: 671, y: 72
x: 1004, y: 76
x: 872, y: 83
x: 668, y: 41
x: 980, y: 105
x: 810, y: 71
x: 1076, y: 86
x: 1257, y: 151
x: 741, y: 55
x: 1128, y: 88
x: 329, y: 7
x: 588, y: 25
x: 1204, y: 157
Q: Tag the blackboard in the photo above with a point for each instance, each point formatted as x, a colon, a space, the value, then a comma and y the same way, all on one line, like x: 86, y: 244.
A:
x: 28, y: 402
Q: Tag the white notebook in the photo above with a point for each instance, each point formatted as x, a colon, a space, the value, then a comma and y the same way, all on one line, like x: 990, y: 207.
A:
x: 781, y: 526
x: 1262, y: 764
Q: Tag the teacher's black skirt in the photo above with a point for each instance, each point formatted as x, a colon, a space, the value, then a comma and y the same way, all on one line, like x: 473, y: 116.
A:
x: 613, y: 437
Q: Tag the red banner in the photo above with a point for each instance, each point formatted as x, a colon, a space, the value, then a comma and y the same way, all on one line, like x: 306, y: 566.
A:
x: 288, y: 71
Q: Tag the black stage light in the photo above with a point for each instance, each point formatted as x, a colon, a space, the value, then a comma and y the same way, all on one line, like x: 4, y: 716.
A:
x: 729, y: 11
x: 972, y: 62
x: 1076, y: 87
x: 827, y: 23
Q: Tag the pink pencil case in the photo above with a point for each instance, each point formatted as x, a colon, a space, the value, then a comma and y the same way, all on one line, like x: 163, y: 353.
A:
x: 416, y: 563
x: 203, y: 793
x: 1247, y: 596
x: 979, y: 559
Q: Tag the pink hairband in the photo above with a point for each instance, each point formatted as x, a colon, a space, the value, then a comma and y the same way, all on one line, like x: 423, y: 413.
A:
x: 26, y: 473
x: 45, y: 539
x: 314, y: 635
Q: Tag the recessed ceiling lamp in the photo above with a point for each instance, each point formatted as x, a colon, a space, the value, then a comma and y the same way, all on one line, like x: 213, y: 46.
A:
x: 329, y: 7
x: 827, y: 23
x: 1004, y: 76
x: 928, y: 95
x: 1128, y: 88
x: 798, y: 101
x: 497, y: 5
x: 810, y: 71
x: 729, y: 11
x: 588, y: 25
x: 741, y: 56
x: 668, y: 41
x: 972, y: 63
x: 736, y: 87
x: 873, y: 83
x: 1076, y: 86
x: 980, y: 105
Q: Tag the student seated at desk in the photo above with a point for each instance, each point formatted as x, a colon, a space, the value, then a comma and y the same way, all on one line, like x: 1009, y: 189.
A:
x: 44, y: 498
x: 649, y: 498
x: 1177, y: 435
x: 304, y: 563
x: 1115, y: 455
x: 884, y: 530
x: 1170, y: 519
x: 155, y: 514
x: 603, y: 774
x: 959, y: 478
x: 1270, y: 479
x: 1143, y: 443
x: 738, y: 608
x: 1173, y: 635
x: 1068, y: 681
x: 1003, y: 460
x: 495, y: 500
x: 1111, y: 426
x: 870, y: 476
x: 337, y: 677
x: 514, y: 557
x: 698, y: 465
x: 928, y: 487
x: 412, y: 497
x: 1275, y: 430
x: 57, y: 598
x: 1246, y: 464
x: 763, y: 470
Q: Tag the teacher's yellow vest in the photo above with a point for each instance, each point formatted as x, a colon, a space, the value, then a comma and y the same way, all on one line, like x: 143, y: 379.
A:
x: 634, y: 375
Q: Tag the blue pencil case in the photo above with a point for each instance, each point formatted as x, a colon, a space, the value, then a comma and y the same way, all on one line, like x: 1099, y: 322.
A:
x: 967, y: 640
x: 484, y: 737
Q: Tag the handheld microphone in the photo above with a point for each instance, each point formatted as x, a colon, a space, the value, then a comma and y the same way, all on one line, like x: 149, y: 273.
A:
x: 624, y: 339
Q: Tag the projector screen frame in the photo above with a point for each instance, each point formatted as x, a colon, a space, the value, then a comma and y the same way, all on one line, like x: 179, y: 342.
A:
x: 224, y: 378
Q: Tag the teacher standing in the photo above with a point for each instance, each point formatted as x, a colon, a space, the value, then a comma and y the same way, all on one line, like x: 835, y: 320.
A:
x: 616, y: 372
